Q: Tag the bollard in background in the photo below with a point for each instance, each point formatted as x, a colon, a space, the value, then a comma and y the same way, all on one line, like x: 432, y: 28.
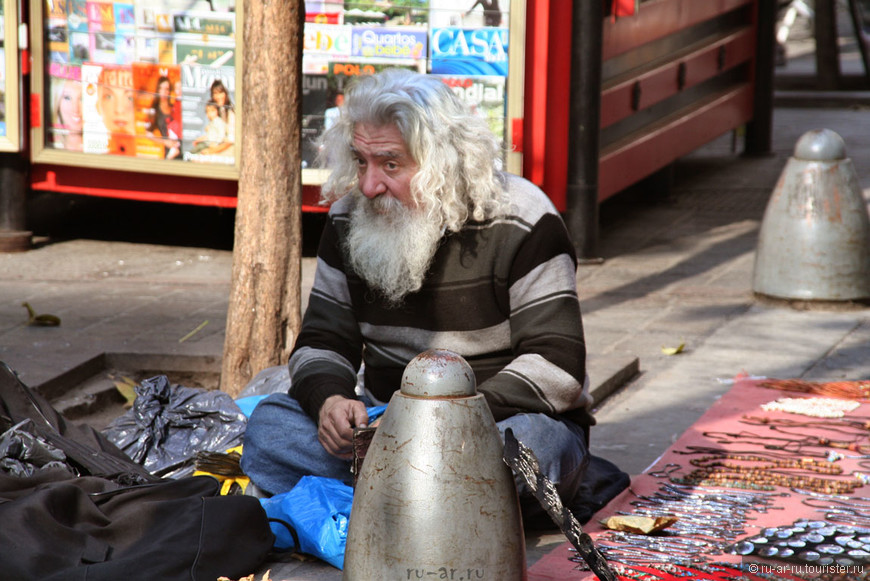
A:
x: 814, y: 242
x: 434, y: 498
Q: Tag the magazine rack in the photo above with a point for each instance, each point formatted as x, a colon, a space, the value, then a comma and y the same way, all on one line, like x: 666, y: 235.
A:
x: 475, y: 47
x: 134, y: 80
x: 9, y: 94
x: 126, y: 51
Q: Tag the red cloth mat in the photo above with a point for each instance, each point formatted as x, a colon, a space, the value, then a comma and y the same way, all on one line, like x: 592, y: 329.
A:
x: 715, y: 429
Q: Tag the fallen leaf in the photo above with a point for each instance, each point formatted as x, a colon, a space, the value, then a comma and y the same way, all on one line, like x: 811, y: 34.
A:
x: 674, y: 350
x: 194, y: 332
x: 127, y: 388
x: 40, y: 320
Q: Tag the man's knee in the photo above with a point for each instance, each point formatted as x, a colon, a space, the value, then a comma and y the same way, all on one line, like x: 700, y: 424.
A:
x: 548, y: 437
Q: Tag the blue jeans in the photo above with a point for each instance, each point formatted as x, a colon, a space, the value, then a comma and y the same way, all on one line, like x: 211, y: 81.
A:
x: 281, y: 447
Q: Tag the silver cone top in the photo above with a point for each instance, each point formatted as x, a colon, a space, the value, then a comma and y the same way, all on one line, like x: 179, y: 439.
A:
x: 438, y: 373
x: 820, y: 145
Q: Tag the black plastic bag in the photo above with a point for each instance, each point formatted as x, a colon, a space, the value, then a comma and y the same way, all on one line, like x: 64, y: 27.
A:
x: 86, y: 451
x: 23, y: 454
x: 169, y: 424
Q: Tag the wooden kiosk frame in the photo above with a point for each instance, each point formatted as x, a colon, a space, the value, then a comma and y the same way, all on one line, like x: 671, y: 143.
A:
x: 10, y: 139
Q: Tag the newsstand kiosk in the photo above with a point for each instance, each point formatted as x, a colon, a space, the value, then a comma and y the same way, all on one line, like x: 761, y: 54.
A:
x: 140, y: 99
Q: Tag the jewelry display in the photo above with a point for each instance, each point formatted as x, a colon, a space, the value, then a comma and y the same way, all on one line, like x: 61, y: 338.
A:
x: 812, y: 542
x: 855, y: 427
x: 707, y: 522
x: 817, y: 407
x: 761, y: 472
x: 732, y: 492
x: 697, y: 572
x: 795, y: 445
x: 840, y: 389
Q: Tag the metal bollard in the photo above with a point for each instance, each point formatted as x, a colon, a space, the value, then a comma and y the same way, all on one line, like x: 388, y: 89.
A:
x: 814, y: 242
x: 434, y: 499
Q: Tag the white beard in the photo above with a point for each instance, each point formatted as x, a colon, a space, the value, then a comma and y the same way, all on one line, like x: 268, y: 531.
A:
x: 392, y: 250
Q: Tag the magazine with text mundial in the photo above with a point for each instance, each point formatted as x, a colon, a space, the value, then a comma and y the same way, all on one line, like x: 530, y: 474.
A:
x: 485, y: 96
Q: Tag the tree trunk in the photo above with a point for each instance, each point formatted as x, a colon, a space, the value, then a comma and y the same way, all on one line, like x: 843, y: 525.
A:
x: 263, y: 318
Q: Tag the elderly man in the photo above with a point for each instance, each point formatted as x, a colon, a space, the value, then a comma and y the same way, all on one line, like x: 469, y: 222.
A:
x: 428, y: 245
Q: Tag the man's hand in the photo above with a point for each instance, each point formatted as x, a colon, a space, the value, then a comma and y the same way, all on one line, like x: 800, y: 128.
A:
x: 338, y: 416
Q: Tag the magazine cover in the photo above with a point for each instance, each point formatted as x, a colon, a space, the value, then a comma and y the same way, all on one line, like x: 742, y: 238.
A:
x: 101, y: 27
x: 485, y: 96
x: 212, y: 24
x: 322, y: 43
x: 108, y: 101
x: 469, y: 51
x: 341, y: 73
x: 205, y: 52
x: 154, y: 33
x: 158, y: 110
x: 155, y: 49
x: 206, y: 38
x: 79, y: 41
x: 65, y: 122
x: 208, y: 110
x: 125, y: 34
x: 316, y: 99
x: 3, y: 92
x: 406, y: 43
x: 57, y: 31
x: 330, y: 14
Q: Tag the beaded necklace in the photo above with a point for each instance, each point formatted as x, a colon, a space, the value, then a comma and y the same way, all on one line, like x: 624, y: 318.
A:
x: 817, y: 407
x: 857, y: 427
x: 841, y: 389
x: 768, y: 478
x: 806, y: 464
x: 791, y: 444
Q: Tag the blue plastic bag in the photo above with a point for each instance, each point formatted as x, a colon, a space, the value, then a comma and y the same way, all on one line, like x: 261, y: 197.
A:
x: 247, y: 404
x: 319, y: 510
x: 376, y: 412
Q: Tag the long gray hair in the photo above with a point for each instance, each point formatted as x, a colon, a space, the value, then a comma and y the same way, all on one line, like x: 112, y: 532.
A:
x: 459, y: 157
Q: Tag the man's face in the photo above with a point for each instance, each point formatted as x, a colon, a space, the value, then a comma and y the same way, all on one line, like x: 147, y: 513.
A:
x: 385, y: 168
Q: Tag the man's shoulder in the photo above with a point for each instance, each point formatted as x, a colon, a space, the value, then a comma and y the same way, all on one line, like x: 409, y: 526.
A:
x: 527, y: 201
x: 340, y: 208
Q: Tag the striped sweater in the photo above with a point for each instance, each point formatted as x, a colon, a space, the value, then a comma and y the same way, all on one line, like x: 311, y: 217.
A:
x: 501, y: 293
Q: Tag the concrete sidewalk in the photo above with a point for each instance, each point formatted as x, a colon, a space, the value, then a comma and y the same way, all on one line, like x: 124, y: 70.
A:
x: 677, y: 269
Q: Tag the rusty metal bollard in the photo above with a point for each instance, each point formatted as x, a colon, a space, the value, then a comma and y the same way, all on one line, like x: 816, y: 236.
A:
x: 814, y: 242
x: 434, y: 498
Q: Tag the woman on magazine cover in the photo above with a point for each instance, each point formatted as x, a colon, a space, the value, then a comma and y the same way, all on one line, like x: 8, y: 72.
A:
x: 165, y: 124
x: 221, y: 96
x: 68, y: 121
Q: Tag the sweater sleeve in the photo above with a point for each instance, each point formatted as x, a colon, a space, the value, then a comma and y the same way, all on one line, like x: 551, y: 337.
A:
x: 328, y: 351
x: 548, y: 371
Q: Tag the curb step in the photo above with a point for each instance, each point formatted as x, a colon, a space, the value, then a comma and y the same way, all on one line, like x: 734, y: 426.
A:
x: 90, y: 395
x: 608, y: 373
